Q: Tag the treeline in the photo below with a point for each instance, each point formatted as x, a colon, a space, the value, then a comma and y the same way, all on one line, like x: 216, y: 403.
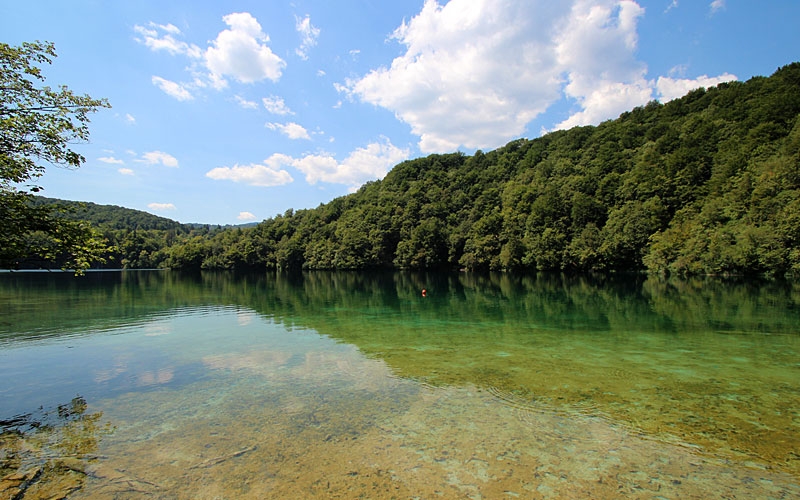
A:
x: 111, y: 216
x: 137, y: 239
x: 705, y: 184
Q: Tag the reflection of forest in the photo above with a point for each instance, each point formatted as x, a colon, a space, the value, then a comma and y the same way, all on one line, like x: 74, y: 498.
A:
x: 40, y: 304
x: 706, y: 362
x: 47, y: 454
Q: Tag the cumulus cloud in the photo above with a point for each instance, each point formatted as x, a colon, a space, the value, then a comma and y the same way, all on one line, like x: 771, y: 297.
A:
x: 362, y: 165
x: 308, y: 34
x: 246, y: 216
x: 473, y: 74
x: 673, y: 88
x: 125, y: 171
x: 159, y: 157
x: 476, y: 73
x: 264, y: 175
x: 291, y: 130
x: 161, y: 207
x: 597, y: 44
x: 241, y: 52
x: 276, y: 106
x: 173, y: 89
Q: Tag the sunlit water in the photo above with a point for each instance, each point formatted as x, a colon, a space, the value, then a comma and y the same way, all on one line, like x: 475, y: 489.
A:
x: 336, y: 385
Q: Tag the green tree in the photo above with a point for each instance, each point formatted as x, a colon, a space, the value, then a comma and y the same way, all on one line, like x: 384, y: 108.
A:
x: 37, y: 126
x: 426, y: 249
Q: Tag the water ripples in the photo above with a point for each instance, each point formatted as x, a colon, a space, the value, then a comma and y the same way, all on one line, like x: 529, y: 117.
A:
x: 586, y: 409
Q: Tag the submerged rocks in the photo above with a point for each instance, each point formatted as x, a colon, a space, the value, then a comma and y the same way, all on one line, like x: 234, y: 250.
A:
x: 51, y: 481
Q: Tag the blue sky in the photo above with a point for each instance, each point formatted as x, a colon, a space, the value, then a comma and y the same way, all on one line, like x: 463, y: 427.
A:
x: 232, y: 112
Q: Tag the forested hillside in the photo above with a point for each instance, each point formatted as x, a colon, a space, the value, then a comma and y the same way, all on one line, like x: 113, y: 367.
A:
x: 139, y: 239
x: 112, y: 216
x: 705, y: 184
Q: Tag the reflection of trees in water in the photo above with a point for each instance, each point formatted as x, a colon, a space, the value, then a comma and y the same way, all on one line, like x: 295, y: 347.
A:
x: 312, y: 299
x: 45, y: 454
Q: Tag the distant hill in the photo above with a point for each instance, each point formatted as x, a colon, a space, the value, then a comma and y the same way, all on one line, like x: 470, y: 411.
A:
x: 112, y: 216
x: 116, y: 217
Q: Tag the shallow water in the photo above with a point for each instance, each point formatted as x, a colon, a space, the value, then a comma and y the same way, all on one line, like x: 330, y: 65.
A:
x: 338, y: 385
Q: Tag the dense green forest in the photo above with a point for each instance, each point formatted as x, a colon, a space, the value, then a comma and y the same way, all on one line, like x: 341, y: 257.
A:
x: 139, y: 240
x: 705, y: 184
x: 112, y: 216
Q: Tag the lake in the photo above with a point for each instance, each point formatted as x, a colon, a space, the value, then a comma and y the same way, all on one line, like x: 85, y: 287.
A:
x: 355, y: 385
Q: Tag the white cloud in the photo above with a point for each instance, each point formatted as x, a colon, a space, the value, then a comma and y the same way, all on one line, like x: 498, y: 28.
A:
x: 606, y: 100
x: 308, y: 33
x: 476, y: 73
x: 244, y: 103
x: 173, y: 89
x: 111, y: 160
x: 291, y: 130
x: 362, y: 165
x: 241, y: 52
x: 597, y: 46
x: 276, y: 106
x: 717, y: 5
x: 156, y: 157
x: 162, y: 37
x: 255, y: 175
x: 246, y: 216
x: 160, y: 207
x: 130, y: 118
x: 125, y: 171
x: 673, y: 88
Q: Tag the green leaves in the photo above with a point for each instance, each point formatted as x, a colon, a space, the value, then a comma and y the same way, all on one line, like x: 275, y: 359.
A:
x: 37, y: 122
x: 37, y: 125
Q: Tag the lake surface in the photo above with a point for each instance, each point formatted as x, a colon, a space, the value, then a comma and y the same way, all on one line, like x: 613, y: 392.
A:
x: 354, y: 385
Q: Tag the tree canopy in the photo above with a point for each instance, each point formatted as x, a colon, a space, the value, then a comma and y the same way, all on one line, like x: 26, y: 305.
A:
x: 38, y: 124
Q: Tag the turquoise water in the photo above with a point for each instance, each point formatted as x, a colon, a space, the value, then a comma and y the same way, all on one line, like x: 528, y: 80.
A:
x: 125, y: 385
